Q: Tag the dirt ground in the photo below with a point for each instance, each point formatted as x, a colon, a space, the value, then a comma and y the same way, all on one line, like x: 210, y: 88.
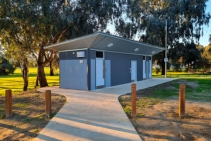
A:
x: 28, y: 117
x: 160, y: 121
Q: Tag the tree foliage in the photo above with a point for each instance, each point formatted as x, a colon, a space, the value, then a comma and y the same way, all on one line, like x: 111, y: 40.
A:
x: 40, y: 23
x: 191, y: 54
x: 207, y: 53
x: 185, y: 20
x: 210, y: 39
x: 5, y: 66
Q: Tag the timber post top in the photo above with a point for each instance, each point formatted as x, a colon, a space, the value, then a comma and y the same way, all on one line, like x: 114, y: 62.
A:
x: 106, y: 42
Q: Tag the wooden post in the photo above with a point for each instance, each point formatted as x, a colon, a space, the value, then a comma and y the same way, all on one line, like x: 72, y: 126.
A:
x: 48, y: 102
x: 8, y: 104
x: 133, y: 89
x: 182, y: 100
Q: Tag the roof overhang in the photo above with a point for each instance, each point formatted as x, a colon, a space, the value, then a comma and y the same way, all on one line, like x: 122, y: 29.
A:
x: 107, y: 42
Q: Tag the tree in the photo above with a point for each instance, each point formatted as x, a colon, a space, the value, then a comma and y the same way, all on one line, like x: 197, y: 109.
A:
x: 191, y: 54
x: 185, y: 20
x: 14, y: 50
x: 207, y: 53
x: 53, y: 21
x: 5, y: 66
x: 54, y: 64
x: 210, y: 39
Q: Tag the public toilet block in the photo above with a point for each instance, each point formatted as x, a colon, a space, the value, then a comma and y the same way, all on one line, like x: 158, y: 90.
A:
x: 102, y: 60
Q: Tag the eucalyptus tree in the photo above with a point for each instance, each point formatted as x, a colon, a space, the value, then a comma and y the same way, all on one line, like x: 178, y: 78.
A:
x: 53, y: 21
x: 207, y: 53
x: 191, y: 54
x: 14, y: 51
x: 54, y: 64
x: 185, y: 20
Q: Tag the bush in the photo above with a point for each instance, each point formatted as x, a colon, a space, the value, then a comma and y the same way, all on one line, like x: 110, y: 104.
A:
x: 6, y: 67
x: 157, y: 69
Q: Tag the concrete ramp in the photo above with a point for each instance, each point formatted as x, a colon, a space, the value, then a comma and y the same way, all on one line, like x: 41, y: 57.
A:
x: 93, y: 116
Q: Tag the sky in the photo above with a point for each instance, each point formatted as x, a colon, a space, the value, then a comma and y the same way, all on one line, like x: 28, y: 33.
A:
x: 204, y: 40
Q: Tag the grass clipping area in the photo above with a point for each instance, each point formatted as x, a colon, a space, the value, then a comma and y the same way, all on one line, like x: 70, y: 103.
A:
x: 157, y: 111
x: 28, y: 117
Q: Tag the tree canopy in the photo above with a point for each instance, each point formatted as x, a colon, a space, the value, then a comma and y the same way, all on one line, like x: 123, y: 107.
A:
x: 40, y: 23
x: 207, y: 53
x: 185, y: 20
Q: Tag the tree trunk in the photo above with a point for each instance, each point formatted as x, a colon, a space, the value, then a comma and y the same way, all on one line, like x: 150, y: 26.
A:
x: 41, y: 76
x: 51, y: 68
x: 204, y: 69
x: 37, y: 81
x: 24, y: 71
x: 188, y: 67
x: 41, y: 62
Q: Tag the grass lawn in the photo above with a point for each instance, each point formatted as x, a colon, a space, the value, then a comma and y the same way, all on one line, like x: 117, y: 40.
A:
x: 15, y: 81
x: 197, y: 89
x: 28, y: 109
x: 181, y: 75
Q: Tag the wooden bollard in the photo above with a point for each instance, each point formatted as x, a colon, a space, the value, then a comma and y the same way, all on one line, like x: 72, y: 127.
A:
x: 8, y: 103
x: 48, y: 102
x: 182, y: 100
x: 133, y: 89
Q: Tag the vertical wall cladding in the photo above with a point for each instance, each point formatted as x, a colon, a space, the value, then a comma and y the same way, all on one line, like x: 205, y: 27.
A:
x: 73, y: 70
x: 120, y: 67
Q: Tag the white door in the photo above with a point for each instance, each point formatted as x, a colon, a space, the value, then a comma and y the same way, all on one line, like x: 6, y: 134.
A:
x: 144, y: 70
x: 99, y: 72
x: 133, y: 70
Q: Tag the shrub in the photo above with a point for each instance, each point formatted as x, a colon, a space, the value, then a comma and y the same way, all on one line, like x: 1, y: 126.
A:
x: 157, y: 69
x: 6, y: 67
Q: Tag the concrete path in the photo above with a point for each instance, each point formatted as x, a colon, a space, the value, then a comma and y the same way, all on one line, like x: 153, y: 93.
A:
x: 93, y: 116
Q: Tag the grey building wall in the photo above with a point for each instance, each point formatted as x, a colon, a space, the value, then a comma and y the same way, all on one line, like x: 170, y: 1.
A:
x: 73, y: 70
x: 82, y: 76
x: 120, y: 67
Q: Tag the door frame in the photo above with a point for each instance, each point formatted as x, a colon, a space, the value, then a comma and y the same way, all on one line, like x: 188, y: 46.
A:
x: 147, y: 69
x: 135, y: 71
x: 103, y: 70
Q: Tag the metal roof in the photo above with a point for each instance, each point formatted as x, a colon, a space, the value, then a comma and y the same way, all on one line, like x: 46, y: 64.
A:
x: 106, y: 42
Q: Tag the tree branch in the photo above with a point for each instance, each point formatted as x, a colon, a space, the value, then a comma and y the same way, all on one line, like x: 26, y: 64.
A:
x: 63, y: 32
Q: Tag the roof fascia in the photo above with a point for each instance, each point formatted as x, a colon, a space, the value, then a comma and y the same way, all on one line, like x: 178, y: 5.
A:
x: 129, y: 40
x: 72, y: 40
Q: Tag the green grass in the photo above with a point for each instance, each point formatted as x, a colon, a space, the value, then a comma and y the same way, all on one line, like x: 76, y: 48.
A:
x: 181, y: 75
x: 163, y: 93
x: 15, y: 81
x: 198, y: 89
x: 200, y: 92
x: 21, y: 105
x: 146, y: 102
